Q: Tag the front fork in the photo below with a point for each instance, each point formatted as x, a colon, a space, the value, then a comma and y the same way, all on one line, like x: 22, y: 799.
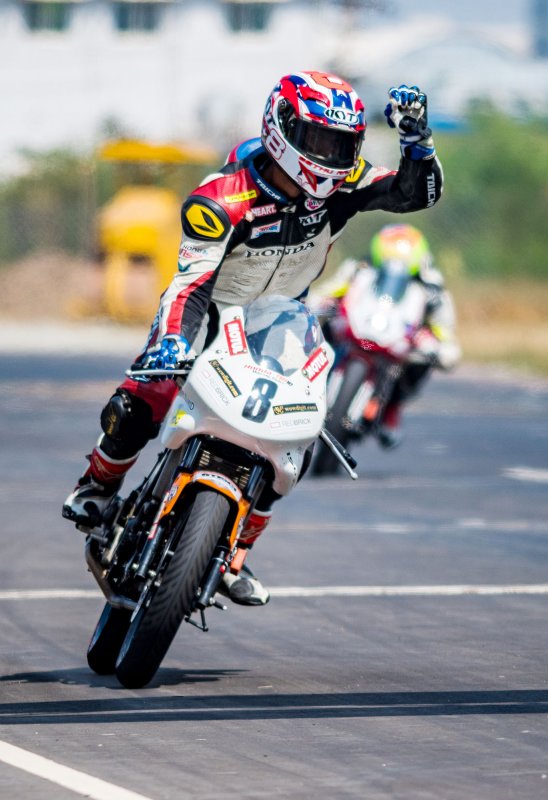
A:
x: 225, y: 556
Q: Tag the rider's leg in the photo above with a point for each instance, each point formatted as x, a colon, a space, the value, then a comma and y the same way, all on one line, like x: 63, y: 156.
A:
x: 244, y: 587
x: 389, y: 433
x: 129, y: 420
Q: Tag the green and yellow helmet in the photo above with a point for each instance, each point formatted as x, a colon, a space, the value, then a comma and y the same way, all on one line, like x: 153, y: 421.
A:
x: 402, y: 243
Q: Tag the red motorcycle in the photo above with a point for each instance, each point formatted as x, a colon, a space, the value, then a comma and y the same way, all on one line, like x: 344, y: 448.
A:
x: 374, y: 331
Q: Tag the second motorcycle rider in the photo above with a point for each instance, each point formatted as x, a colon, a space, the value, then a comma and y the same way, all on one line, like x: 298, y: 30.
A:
x: 262, y: 225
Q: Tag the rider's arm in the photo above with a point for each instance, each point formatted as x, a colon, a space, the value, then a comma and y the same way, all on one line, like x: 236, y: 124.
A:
x: 206, y: 232
x: 324, y: 297
x: 418, y: 182
x: 414, y: 186
x: 210, y: 233
x: 441, y: 321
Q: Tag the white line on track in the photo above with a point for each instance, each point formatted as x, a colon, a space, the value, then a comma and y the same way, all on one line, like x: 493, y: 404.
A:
x: 48, y: 594
x: 72, y: 779
x: 464, y: 525
x: 407, y: 591
x: 452, y: 590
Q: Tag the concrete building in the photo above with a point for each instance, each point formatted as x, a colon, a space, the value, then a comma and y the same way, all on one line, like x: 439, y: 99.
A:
x: 73, y: 71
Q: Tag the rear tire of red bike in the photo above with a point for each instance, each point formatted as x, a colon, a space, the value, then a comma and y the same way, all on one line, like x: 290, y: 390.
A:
x: 154, y: 626
x: 107, y: 639
x: 325, y: 462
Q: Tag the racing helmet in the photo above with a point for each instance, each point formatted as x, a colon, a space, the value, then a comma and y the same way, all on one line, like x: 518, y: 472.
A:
x: 313, y: 128
x: 404, y: 244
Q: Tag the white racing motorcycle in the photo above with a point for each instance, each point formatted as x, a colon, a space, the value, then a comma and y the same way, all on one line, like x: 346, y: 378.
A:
x: 251, y: 405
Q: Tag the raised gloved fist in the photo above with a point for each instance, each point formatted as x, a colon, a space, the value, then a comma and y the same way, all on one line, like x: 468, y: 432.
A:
x: 406, y: 111
x: 166, y: 354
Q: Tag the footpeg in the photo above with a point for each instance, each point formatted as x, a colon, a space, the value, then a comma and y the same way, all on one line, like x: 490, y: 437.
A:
x: 202, y: 625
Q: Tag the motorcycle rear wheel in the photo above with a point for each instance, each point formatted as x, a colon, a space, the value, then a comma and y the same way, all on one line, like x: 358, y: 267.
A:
x: 155, y: 624
x: 326, y: 463
x: 107, y: 639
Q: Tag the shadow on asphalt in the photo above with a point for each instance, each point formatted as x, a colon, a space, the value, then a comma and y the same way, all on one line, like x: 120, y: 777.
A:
x: 270, y: 707
x: 85, y: 677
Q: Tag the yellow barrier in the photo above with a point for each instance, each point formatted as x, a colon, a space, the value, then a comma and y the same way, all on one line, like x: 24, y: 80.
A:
x: 139, y: 234
x: 139, y: 230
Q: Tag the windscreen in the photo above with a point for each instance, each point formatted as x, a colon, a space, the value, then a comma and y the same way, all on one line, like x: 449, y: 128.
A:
x: 392, y: 280
x: 281, y: 333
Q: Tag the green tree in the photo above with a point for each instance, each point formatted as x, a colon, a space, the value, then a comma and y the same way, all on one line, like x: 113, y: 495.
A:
x: 491, y: 219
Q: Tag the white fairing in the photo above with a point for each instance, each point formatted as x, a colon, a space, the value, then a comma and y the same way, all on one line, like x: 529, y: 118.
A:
x: 386, y: 309
x: 260, y: 385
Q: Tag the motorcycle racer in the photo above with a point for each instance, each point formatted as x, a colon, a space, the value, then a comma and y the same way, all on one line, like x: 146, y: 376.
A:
x: 263, y: 224
x: 434, y: 345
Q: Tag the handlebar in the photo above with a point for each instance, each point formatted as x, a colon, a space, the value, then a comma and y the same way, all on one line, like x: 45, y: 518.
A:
x: 185, y: 367
x: 342, y: 454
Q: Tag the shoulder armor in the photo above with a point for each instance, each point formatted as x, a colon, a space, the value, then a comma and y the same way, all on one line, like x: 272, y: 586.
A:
x: 357, y: 172
x: 244, y: 150
x: 203, y: 218
x: 364, y: 175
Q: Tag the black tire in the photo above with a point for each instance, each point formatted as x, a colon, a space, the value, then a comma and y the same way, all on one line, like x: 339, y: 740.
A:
x: 107, y: 639
x: 325, y: 462
x: 154, y: 626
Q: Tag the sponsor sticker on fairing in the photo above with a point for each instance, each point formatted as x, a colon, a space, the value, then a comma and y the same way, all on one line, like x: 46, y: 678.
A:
x: 177, y: 417
x: 297, y: 422
x: 226, y: 379
x: 220, y: 480
x: 235, y: 337
x: 268, y: 373
x: 317, y: 362
x: 295, y: 408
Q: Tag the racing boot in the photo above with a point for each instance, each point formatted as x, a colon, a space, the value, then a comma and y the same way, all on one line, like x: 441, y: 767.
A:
x: 95, y: 490
x: 389, y: 433
x: 244, y: 587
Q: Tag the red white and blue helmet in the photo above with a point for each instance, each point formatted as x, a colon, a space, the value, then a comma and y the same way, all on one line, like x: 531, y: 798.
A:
x: 313, y: 128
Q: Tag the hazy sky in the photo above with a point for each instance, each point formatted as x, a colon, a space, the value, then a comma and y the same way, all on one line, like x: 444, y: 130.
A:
x: 473, y: 11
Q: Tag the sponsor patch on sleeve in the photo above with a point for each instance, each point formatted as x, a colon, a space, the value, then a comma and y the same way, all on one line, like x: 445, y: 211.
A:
x: 205, y: 219
x: 241, y: 197
x: 189, y: 253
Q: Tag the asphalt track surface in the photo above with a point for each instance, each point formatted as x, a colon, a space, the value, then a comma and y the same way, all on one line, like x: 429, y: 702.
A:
x: 403, y: 654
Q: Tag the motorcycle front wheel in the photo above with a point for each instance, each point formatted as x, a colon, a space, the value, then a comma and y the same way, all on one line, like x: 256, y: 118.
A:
x: 155, y: 624
x: 338, y: 422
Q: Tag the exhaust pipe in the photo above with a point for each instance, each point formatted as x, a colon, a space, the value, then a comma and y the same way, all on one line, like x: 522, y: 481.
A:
x: 115, y: 600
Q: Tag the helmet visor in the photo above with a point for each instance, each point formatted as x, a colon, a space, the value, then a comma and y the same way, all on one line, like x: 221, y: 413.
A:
x: 334, y: 148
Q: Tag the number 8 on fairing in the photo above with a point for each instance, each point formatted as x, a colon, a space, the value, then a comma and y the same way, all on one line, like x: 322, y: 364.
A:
x: 258, y: 402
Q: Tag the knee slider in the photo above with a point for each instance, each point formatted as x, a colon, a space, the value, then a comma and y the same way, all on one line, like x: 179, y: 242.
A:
x: 127, y: 422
